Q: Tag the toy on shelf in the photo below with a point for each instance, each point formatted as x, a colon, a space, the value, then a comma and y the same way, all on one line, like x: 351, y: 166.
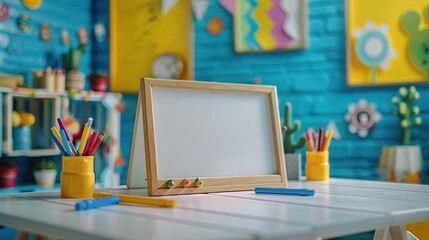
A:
x: 407, y: 112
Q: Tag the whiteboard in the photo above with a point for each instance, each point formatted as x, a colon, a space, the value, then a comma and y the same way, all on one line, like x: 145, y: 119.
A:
x: 227, y: 136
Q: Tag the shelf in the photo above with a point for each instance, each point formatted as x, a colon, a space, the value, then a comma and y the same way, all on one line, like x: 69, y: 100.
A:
x: 44, y: 106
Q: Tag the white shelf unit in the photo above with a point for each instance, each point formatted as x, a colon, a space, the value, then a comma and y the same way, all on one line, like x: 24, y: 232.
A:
x: 45, y: 106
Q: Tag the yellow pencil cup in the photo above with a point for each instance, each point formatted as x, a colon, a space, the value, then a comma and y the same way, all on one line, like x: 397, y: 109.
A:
x: 77, y: 177
x: 317, y: 166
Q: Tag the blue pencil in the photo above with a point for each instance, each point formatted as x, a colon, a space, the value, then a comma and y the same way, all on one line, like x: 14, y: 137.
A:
x: 57, y: 142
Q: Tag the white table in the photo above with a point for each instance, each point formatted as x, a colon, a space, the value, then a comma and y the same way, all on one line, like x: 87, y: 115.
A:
x: 340, y: 207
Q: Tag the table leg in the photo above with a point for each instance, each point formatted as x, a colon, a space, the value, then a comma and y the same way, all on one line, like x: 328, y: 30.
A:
x: 393, y: 233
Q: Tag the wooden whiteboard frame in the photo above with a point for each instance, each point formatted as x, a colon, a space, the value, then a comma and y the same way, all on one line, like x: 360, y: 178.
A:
x: 157, y: 186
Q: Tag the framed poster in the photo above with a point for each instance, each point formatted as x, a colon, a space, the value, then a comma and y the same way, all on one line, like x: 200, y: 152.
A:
x: 387, y: 42
x: 145, y: 40
x: 270, y: 25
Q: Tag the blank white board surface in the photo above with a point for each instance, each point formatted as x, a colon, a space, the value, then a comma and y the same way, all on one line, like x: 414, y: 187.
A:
x: 225, y: 135
x: 202, y: 135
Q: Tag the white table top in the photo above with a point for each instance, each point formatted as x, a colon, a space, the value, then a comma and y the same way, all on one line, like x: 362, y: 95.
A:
x: 340, y: 207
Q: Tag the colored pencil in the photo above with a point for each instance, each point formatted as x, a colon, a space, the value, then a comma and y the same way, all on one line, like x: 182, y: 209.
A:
x: 57, y: 142
x: 90, y: 143
x: 320, y: 142
x: 328, y: 136
x: 309, y: 141
x: 66, y: 145
x: 61, y: 124
x: 97, y: 143
x: 57, y: 135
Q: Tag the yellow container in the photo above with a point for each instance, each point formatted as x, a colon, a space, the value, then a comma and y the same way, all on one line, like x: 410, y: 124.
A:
x: 317, y: 166
x: 77, y: 178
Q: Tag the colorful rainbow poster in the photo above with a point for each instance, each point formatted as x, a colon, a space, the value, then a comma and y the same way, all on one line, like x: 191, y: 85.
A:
x: 270, y: 25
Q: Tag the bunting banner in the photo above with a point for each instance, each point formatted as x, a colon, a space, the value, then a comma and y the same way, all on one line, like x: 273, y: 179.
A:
x: 199, y: 8
x: 229, y: 5
x: 167, y: 5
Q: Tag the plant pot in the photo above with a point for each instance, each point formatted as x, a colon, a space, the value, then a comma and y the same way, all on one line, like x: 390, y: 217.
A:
x: 8, y: 177
x: 75, y: 80
x: 45, y: 177
x: 401, y: 164
x: 293, y: 166
x: 99, y: 84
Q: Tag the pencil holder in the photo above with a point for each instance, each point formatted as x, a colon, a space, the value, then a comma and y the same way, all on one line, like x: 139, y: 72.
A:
x: 77, y: 177
x: 317, y: 166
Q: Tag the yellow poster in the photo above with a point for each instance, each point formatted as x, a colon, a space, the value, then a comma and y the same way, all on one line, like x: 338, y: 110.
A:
x: 385, y: 42
x: 142, y: 34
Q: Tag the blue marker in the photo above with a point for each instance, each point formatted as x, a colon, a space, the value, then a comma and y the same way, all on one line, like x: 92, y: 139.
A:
x: 286, y: 191
x: 96, y: 203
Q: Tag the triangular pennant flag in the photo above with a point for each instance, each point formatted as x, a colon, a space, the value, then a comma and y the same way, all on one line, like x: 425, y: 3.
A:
x: 167, y: 5
x: 229, y: 5
x: 333, y: 127
x: 200, y: 8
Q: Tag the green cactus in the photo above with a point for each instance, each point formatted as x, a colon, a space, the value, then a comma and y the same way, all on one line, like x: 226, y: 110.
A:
x: 407, y: 112
x: 419, y: 39
x: 71, y: 60
x: 288, y: 144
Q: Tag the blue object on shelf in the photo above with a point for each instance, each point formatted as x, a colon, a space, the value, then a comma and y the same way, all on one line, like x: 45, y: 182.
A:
x: 21, y: 138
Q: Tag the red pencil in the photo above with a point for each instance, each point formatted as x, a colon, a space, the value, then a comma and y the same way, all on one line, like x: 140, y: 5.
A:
x: 96, y: 144
x: 90, y: 143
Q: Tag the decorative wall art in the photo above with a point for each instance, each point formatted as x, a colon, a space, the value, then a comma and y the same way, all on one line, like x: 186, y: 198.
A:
x: 4, y: 12
x: 362, y: 118
x: 270, y: 25
x: 387, y: 47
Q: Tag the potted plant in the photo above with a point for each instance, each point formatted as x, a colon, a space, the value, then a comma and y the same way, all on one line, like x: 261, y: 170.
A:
x: 99, y: 81
x: 45, y: 173
x: 8, y: 174
x: 403, y: 163
x: 71, y: 62
x: 293, y: 160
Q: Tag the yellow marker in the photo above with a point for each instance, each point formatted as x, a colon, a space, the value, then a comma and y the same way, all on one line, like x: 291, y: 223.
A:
x: 57, y: 134
x: 84, y: 137
x: 124, y: 198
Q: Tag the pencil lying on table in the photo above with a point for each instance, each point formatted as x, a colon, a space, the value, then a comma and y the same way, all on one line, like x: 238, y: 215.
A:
x: 125, y: 198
